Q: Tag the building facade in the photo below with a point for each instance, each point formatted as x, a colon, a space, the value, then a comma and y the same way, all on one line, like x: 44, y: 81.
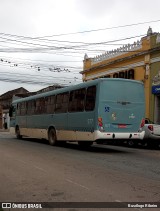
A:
x: 7, y: 98
x: 138, y: 61
x: 5, y: 102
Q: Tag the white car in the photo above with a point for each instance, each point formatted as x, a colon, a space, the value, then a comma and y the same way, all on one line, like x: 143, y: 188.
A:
x: 151, y: 137
x: 152, y: 130
x: 152, y: 133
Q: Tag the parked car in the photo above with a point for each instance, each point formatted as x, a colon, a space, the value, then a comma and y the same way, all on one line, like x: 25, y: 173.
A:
x: 152, y: 130
x: 152, y: 133
x: 151, y: 137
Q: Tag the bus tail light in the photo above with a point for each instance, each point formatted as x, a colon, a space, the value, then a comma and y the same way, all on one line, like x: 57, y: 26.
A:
x: 150, y: 127
x: 142, y: 122
x: 100, y: 124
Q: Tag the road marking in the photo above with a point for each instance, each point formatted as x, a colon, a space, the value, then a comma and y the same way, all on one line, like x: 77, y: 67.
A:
x: 75, y: 183
x: 40, y: 169
x: 21, y: 161
x: 26, y: 163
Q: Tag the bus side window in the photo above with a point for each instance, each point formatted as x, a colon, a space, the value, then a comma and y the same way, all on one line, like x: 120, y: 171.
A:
x: 50, y: 104
x: 65, y: 102
x: 80, y: 96
x: 40, y: 105
x: 23, y: 108
x: 30, y: 107
x: 76, y: 101
x: 53, y: 98
x: 59, y: 100
x: 19, y: 109
x: 71, y: 106
x: 62, y: 103
x: 90, y: 98
x: 11, y: 110
x: 46, y: 104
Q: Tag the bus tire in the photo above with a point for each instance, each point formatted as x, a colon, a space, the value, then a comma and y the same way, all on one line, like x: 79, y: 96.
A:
x: 18, y: 135
x: 52, y: 138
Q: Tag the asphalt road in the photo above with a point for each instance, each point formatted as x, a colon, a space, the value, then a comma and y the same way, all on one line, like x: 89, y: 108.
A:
x: 33, y: 171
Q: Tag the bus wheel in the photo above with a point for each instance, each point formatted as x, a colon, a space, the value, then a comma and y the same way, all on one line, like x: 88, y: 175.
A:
x: 18, y: 135
x: 52, y: 137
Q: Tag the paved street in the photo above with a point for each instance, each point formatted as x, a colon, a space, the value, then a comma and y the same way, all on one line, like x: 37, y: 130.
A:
x: 33, y: 171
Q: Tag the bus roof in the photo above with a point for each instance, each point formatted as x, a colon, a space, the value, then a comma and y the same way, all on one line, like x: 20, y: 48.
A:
x: 73, y: 87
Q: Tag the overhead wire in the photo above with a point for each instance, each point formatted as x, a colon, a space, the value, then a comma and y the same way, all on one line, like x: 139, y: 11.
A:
x: 44, y: 70
x: 22, y: 81
x: 58, y: 47
x: 49, y: 47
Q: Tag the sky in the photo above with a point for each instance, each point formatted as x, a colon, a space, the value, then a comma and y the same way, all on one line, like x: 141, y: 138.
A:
x: 43, y: 42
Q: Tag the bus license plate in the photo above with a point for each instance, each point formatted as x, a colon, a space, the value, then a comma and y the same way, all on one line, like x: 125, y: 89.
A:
x: 121, y: 126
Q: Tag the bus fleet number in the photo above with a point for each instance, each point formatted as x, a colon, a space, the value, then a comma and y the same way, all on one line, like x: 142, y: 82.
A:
x: 90, y: 121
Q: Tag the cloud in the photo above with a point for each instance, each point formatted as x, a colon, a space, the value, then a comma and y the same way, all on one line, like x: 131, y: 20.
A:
x: 94, y: 8
x: 14, y: 18
x: 39, y: 18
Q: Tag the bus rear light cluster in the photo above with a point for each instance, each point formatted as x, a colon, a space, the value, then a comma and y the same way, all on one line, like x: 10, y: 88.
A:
x: 100, y: 124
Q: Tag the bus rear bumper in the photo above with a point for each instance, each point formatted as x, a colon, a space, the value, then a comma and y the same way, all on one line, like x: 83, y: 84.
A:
x: 104, y: 135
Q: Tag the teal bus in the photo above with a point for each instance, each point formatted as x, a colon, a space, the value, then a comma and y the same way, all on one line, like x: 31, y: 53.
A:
x: 93, y: 111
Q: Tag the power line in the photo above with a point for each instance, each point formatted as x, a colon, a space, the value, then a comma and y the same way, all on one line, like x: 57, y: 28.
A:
x: 33, y: 79
x: 36, y: 82
x: 40, y: 66
x: 41, y: 48
x: 38, y: 76
x: 51, y: 47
